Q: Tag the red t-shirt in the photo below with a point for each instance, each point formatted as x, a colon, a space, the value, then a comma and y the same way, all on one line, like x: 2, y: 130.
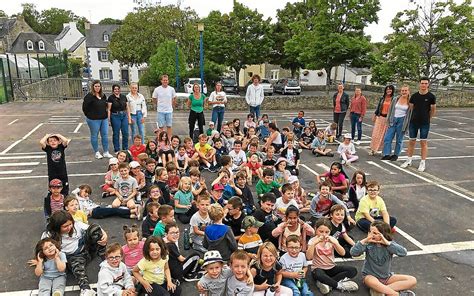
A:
x: 135, y: 150
x: 254, y: 167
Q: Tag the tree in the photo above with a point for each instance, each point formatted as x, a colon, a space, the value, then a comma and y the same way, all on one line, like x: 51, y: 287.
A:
x: 237, y: 39
x: 3, y: 14
x: 333, y: 35
x: 434, y: 40
x: 31, y: 16
x: 147, y: 28
x: 164, y: 62
x: 110, y: 21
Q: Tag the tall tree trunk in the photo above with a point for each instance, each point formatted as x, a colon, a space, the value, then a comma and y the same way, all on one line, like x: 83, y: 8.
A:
x: 328, y: 79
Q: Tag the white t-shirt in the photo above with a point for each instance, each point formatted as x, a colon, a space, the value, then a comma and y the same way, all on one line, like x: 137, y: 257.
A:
x: 212, y: 98
x: 165, y: 97
x: 280, y: 206
x: 293, y: 264
x: 73, y: 243
x: 238, y: 158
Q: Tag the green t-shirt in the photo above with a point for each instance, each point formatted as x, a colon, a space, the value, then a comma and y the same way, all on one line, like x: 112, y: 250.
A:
x: 159, y: 229
x: 197, y: 105
x: 262, y: 188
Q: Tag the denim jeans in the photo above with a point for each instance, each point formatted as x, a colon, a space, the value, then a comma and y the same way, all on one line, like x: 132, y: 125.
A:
x: 218, y: 117
x: 356, y: 123
x: 255, y: 111
x: 96, y: 126
x: 395, y: 129
x: 290, y: 283
x: 48, y: 286
x: 119, y: 123
x: 137, y: 123
x: 339, y: 119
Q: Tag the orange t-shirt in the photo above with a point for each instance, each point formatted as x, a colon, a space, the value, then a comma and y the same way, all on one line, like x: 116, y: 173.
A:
x: 337, y: 108
x: 385, y: 107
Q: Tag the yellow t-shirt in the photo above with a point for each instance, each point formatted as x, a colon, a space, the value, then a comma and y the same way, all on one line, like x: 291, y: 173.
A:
x: 153, y: 271
x: 80, y: 216
x: 203, y: 149
x: 373, y: 207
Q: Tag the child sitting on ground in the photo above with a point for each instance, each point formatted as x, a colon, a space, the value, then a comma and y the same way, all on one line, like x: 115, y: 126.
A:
x: 207, y: 154
x: 165, y: 152
x: 238, y: 283
x: 250, y: 122
x: 71, y: 204
x: 210, y: 129
x: 357, y: 189
x: 173, y: 177
x: 111, y: 177
x: 238, y: 155
x: 126, y: 191
x: 190, y: 151
x: 270, y: 159
x: 149, y: 223
x: 338, y: 178
x: 199, y: 222
x: 306, y: 138
x: 221, y: 150
x: 137, y: 147
x: 267, y: 183
x: 300, y: 195
x: 152, y: 149
x: 166, y: 216
x: 113, y: 278
x: 265, y: 214
x: 182, y: 159
x: 327, y: 275
x: 234, y: 216
x: 330, y: 132
x: 54, y: 145
x: 136, y: 172
x: 298, y: 123
x: 184, y: 201
x: 250, y: 241
x: 318, y: 146
x: 286, y: 199
x: 150, y: 166
x: 292, y: 157
x: 281, y: 173
x: 379, y: 248
x: 132, y: 251
x: 198, y: 183
x: 161, y: 177
x: 292, y: 225
x: 339, y: 231
x: 55, y: 201
x: 347, y: 150
x: 248, y: 204
x: 253, y: 168
x: 226, y: 180
x: 218, y: 236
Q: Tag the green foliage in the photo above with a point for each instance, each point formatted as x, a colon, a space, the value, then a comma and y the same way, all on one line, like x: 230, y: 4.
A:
x: 55, y: 65
x: 31, y: 16
x: 212, y: 73
x: 433, y: 40
x: 147, y: 28
x: 3, y: 14
x: 74, y: 67
x: 164, y: 62
x: 110, y: 21
x: 332, y: 34
x: 237, y: 39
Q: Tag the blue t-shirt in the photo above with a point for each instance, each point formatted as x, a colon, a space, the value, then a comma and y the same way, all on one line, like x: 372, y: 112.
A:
x: 183, y: 198
x: 50, y: 270
x: 300, y: 121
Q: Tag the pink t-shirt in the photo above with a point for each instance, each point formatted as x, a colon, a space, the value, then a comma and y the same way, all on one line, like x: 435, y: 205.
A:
x: 132, y: 256
x: 338, y: 180
x: 323, y: 255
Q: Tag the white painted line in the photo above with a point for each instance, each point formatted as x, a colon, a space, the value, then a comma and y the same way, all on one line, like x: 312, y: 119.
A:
x: 26, y: 153
x: 323, y: 166
x: 74, y: 162
x: 430, y: 181
x: 444, y: 119
x: 459, y: 116
x: 471, y: 231
x: 66, y: 116
x: 60, y: 121
x: 410, y: 238
x: 77, y: 128
x: 19, y: 164
x: 45, y: 176
x: 419, y: 148
x: 12, y: 122
x: 438, y: 157
x: 469, y: 146
x: 459, y: 130
x: 21, y: 157
x: 309, y: 169
x: 24, y: 138
x: 449, y: 137
x: 15, y: 172
x: 381, y: 167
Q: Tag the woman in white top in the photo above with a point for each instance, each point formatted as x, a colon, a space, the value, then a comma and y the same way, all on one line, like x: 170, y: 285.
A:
x: 138, y: 111
x: 398, y: 118
x: 275, y: 138
x: 217, y: 100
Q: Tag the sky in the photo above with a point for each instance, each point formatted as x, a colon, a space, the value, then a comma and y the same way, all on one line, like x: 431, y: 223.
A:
x: 95, y: 10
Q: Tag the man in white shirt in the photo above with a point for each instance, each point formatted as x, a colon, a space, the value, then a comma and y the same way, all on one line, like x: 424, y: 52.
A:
x: 254, y: 96
x: 164, y: 98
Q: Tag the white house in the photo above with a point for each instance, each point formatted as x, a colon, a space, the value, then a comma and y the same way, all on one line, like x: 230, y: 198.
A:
x: 72, y: 40
x: 101, y: 67
x: 352, y: 76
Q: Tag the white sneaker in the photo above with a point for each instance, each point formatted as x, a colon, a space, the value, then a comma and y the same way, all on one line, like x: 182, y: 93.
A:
x: 323, y: 288
x: 406, y: 164
x: 98, y: 155
x: 57, y: 293
x: 421, y: 167
x: 87, y: 292
x: 343, y: 161
x: 375, y: 293
x: 107, y: 154
x: 347, y: 285
x: 357, y: 142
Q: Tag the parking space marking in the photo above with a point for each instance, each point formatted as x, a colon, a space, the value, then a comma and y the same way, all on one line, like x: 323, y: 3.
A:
x: 437, y: 157
x: 74, y: 162
x: 471, y: 231
x: 410, y: 238
x: 66, y: 116
x: 21, y: 157
x: 77, y: 128
x: 19, y: 164
x: 448, y: 120
x: 24, y: 138
x: 381, y: 167
x: 441, y: 135
x: 12, y: 122
x: 463, y: 131
x: 15, y: 172
x: 323, y: 166
x: 430, y: 181
x: 25, y: 153
x: 46, y: 176
x: 459, y: 116
x: 310, y: 169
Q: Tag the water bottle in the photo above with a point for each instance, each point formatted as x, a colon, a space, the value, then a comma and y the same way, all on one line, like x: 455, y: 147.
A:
x: 300, y: 281
x: 186, y: 243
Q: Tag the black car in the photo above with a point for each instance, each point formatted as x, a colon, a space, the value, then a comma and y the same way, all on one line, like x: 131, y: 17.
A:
x: 229, y: 85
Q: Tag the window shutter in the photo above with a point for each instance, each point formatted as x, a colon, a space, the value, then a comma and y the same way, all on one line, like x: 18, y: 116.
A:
x: 110, y: 75
x: 101, y: 74
x: 98, y: 56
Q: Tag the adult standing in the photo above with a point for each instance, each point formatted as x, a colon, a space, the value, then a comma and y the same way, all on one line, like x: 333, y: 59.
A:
x: 164, y: 98
x: 380, y: 119
x: 217, y: 100
x: 358, y: 108
x: 94, y: 107
x: 138, y: 111
x: 423, y: 106
x: 254, y: 96
x: 119, y: 117
x: 397, y: 119
x: 340, y: 101
x: 196, y: 103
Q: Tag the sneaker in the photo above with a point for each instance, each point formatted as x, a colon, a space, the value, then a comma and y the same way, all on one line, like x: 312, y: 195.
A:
x: 421, y: 167
x: 347, y: 285
x: 393, y: 157
x: 357, y: 142
x: 375, y: 293
x: 406, y: 164
x: 98, y: 155
x: 371, y: 152
x: 407, y: 293
x: 107, y: 154
x: 105, y: 194
x: 386, y: 157
x: 343, y: 162
x: 87, y: 292
x: 192, y: 277
x: 361, y: 257
x: 57, y: 293
x: 323, y: 288
x: 212, y: 169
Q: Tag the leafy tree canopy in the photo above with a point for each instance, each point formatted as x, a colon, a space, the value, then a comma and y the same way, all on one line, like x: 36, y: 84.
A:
x: 110, y: 21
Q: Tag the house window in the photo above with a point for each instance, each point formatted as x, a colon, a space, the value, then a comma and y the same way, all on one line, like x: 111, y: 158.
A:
x: 106, y: 37
x: 103, y: 56
x: 105, y: 74
x: 29, y: 45
x: 41, y: 45
x: 275, y: 74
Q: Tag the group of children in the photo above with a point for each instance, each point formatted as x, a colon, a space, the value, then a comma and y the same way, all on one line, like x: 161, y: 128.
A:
x: 234, y: 242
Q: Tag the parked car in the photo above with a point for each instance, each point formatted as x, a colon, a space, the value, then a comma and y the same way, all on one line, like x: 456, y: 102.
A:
x: 266, y: 84
x: 287, y: 86
x: 188, y: 85
x: 230, y: 85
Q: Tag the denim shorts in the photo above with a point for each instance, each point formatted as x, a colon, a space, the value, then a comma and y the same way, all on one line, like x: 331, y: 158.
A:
x: 165, y: 119
x: 413, y: 129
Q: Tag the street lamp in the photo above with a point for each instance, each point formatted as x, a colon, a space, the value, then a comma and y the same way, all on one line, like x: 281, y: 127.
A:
x: 177, y: 64
x: 200, y: 27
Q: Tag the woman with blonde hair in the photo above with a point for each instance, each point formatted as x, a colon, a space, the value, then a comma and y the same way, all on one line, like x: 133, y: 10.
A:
x: 138, y: 111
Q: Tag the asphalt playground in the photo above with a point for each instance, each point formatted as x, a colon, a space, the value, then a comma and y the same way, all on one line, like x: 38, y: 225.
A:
x: 434, y: 208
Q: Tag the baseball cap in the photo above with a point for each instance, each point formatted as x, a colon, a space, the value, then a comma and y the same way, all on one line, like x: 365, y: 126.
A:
x: 134, y: 164
x: 56, y: 183
x: 211, y: 122
x: 113, y: 160
x: 211, y: 257
x: 218, y: 186
x: 250, y: 221
x: 292, y: 179
x: 280, y: 159
x: 347, y: 136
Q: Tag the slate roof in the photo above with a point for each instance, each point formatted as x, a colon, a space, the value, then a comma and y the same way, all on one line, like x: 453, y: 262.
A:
x: 49, y: 38
x: 19, y: 46
x: 63, y: 33
x: 94, y: 35
x: 360, y: 71
x: 77, y: 44
x: 5, y: 25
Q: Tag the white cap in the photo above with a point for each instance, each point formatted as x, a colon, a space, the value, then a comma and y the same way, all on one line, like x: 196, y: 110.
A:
x: 134, y: 164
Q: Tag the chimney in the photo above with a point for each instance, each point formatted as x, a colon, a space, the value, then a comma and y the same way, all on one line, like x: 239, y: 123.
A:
x: 87, y: 25
x: 72, y: 25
